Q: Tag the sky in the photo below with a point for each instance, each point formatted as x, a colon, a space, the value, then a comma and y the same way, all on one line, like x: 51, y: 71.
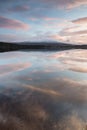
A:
x: 43, y: 20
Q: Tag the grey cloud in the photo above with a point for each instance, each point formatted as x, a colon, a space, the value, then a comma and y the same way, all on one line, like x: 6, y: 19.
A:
x: 19, y: 8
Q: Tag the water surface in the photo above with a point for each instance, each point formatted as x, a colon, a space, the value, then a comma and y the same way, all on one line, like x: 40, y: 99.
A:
x: 43, y: 90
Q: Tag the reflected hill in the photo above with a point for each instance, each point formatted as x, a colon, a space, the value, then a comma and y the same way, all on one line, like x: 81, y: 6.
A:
x: 5, y: 46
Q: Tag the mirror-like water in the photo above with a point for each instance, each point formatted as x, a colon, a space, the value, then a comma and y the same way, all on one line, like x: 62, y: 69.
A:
x: 43, y: 90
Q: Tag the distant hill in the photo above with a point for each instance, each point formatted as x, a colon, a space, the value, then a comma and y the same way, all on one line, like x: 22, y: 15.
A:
x: 38, y: 46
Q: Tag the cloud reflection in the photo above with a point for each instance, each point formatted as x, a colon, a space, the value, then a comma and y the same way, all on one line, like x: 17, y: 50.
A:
x: 37, y: 97
x: 38, y: 108
x: 6, y: 69
x: 73, y: 60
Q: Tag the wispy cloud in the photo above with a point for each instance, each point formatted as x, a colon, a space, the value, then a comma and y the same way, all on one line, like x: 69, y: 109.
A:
x: 50, y: 19
x: 12, y: 24
x: 80, y: 21
x: 76, y: 32
x: 44, y: 16
x: 68, y: 4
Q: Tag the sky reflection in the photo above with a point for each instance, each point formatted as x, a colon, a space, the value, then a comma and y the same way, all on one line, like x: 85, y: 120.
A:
x: 43, y: 90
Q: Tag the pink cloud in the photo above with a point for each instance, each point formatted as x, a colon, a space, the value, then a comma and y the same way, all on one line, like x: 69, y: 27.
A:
x: 12, y: 24
x: 72, y: 32
x: 58, y: 37
x: 76, y: 3
x: 80, y: 21
x: 76, y: 32
x: 44, y: 18
x: 50, y: 19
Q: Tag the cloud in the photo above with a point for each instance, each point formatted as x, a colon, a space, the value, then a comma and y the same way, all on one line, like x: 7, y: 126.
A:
x: 19, y: 8
x: 62, y: 4
x: 7, y: 37
x: 80, y: 21
x: 76, y: 3
x: 74, y: 35
x: 74, y: 29
x: 58, y: 37
x: 50, y: 19
x: 40, y: 36
x: 47, y: 19
x: 43, y: 16
x: 79, y: 69
x: 76, y: 32
x: 14, y: 37
x: 12, y: 24
x: 66, y: 32
x: 68, y: 4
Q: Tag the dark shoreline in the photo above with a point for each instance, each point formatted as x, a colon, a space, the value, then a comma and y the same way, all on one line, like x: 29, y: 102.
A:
x: 4, y: 47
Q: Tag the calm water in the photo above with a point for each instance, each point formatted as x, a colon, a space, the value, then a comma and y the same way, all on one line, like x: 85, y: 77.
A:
x: 43, y: 90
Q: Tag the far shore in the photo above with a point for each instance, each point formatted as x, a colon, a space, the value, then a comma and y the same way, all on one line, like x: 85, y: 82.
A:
x: 5, y: 47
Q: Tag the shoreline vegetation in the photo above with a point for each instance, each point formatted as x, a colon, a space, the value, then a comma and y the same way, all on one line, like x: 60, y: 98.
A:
x: 5, y: 46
